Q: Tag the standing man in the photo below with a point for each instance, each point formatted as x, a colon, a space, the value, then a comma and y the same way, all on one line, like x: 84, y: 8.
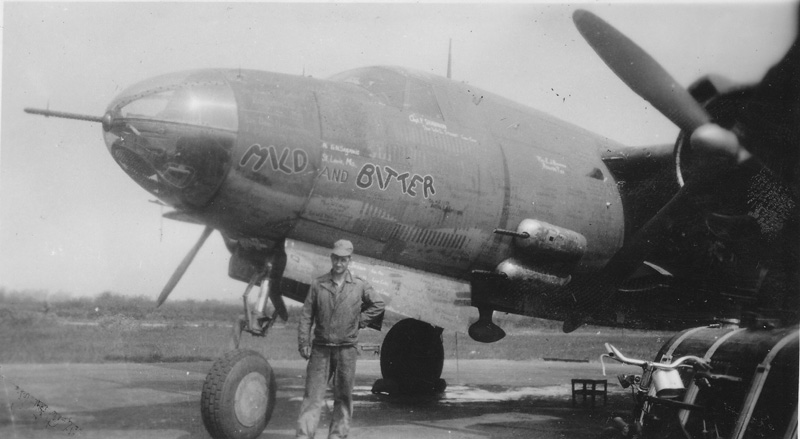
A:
x: 338, y: 305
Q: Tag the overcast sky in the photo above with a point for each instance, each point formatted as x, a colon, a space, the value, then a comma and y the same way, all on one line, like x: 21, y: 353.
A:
x: 71, y: 221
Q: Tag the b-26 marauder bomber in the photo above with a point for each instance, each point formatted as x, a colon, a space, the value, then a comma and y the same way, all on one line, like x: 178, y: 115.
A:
x: 462, y: 203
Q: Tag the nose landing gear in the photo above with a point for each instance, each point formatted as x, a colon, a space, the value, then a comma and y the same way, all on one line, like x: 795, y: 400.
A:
x: 238, y: 394
x: 256, y: 320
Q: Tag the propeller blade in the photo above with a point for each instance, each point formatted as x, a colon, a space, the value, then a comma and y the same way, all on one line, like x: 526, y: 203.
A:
x: 643, y: 74
x: 187, y: 260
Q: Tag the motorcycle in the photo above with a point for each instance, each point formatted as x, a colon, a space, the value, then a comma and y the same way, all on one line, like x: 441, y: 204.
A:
x: 660, y: 391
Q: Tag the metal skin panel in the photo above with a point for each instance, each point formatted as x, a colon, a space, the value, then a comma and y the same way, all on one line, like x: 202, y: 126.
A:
x: 276, y: 157
x: 480, y: 179
x: 409, y: 186
x: 533, y: 175
x: 418, y: 172
x: 417, y: 189
x: 574, y: 191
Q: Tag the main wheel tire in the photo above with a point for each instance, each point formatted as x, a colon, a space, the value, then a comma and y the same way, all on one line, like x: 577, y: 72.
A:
x: 412, y: 355
x: 238, y: 396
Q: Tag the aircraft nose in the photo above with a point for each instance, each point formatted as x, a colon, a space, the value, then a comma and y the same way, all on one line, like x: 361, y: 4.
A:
x: 173, y: 134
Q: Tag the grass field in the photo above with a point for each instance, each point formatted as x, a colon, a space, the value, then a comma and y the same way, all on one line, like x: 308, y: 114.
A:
x: 33, y: 336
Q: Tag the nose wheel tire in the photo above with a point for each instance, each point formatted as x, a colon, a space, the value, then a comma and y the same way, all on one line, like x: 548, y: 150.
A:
x: 238, y: 396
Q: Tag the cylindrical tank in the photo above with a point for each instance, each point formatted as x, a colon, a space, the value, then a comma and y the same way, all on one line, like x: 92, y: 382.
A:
x: 517, y: 271
x: 753, y: 391
x: 547, y: 240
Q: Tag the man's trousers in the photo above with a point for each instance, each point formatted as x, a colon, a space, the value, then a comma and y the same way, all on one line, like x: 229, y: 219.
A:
x: 328, y: 363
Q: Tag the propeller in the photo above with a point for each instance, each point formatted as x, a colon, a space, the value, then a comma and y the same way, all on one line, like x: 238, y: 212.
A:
x: 187, y: 260
x: 647, y: 78
x: 719, y: 152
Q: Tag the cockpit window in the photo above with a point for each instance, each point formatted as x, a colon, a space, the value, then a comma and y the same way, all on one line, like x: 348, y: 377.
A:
x: 206, y: 103
x: 420, y: 99
x: 386, y: 84
x: 396, y: 89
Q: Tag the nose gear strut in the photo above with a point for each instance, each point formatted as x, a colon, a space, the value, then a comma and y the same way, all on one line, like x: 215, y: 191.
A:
x: 256, y: 320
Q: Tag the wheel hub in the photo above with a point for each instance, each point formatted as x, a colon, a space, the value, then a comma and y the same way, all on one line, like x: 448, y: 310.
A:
x: 251, y: 399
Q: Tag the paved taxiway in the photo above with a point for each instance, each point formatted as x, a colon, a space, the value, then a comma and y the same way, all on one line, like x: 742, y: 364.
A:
x: 484, y: 399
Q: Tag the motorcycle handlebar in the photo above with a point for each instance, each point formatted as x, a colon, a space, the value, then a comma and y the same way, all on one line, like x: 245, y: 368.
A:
x: 615, y: 354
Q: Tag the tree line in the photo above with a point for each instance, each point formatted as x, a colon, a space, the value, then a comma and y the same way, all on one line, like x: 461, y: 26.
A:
x: 110, y: 303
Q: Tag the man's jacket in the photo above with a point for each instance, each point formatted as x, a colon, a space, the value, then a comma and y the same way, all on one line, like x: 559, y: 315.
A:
x: 337, y: 316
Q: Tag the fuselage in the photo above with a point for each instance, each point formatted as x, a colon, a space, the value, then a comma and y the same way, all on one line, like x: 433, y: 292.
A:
x: 415, y: 169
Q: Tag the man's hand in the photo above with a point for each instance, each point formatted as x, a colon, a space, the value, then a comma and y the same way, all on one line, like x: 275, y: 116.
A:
x: 305, y: 352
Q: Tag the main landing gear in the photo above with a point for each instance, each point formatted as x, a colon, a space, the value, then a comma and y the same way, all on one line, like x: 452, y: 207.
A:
x: 239, y: 392
x: 412, y: 357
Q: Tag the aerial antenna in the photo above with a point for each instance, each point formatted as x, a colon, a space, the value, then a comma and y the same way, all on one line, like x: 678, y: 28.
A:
x: 449, y: 57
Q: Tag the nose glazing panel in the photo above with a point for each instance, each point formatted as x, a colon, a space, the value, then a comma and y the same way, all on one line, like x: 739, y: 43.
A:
x: 173, y: 135
x: 202, y: 99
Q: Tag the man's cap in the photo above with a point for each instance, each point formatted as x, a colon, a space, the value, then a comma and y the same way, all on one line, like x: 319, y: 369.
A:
x: 342, y: 247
